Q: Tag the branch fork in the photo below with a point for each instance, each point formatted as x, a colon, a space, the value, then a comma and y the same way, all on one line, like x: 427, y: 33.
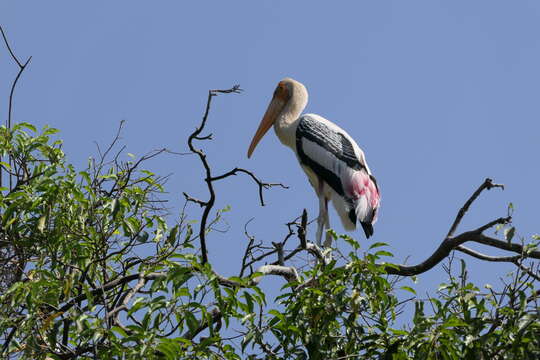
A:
x: 209, y: 179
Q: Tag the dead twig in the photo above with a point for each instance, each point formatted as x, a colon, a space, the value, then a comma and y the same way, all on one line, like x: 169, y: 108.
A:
x: 209, y: 179
x: 487, y: 184
x: 22, y: 67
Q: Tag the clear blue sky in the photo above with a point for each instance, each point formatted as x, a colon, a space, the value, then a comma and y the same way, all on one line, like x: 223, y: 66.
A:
x: 439, y: 94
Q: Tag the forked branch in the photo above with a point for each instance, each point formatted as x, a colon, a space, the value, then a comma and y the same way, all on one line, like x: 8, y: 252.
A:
x: 21, y: 67
x: 209, y: 179
x: 452, y: 242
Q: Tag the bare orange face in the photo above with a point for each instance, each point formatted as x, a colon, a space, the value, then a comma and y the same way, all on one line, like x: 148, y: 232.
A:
x: 282, y: 92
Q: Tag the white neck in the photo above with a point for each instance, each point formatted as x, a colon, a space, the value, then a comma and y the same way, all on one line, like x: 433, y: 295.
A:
x: 287, y: 121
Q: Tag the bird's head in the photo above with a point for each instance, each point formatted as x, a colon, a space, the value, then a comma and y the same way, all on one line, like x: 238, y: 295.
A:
x: 284, y: 93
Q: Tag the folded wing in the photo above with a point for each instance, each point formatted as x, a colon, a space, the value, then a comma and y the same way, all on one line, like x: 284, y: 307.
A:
x: 337, y: 161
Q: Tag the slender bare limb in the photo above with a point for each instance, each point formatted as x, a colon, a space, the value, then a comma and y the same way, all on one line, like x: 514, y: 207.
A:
x: 194, y: 200
x: 140, y: 284
x: 202, y: 156
x: 448, y: 244
x: 487, y: 184
x: 249, y: 248
x: 9, y: 48
x: 22, y: 67
x: 528, y: 270
x: 485, y: 257
x: 455, y: 242
x: 302, y: 229
x: 262, y: 185
x: 209, y: 179
x: 503, y: 245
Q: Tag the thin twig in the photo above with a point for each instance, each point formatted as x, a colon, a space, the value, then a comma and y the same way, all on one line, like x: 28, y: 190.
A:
x: 22, y: 67
x: 209, y: 179
x: 487, y: 184
x: 455, y: 242
x: 485, y: 257
x: 302, y: 230
x: 248, y: 248
x: 262, y: 185
x: 9, y: 47
x: 202, y: 156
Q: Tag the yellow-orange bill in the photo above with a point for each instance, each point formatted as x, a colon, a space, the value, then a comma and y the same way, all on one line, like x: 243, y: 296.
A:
x: 274, y: 109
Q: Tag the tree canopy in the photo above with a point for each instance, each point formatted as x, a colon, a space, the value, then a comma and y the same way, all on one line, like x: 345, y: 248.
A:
x: 94, y: 265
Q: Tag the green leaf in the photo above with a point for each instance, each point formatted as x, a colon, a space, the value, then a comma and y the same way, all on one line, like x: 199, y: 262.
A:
x: 28, y: 126
x: 399, y: 332
x: 49, y: 131
x: 510, y: 209
x: 526, y: 320
x: 171, y: 239
x: 41, y: 223
x: 184, y: 291
x: 383, y: 253
x: 247, y: 339
x: 277, y: 314
x: 409, y: 289
x: 454, y: 321
x: 249, y: 301
x: 167, y: 349
x: 115, y: 206
x: 377, y: 244
x: 133, y: 225
x: 509, y: 233
x: 143, y: 237
x: 137, y: 304
x: 191, y: 321
x: 86, y: 177
x: 120, y: 331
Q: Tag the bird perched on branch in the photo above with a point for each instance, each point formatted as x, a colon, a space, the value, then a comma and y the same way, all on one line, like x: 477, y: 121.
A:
x: 334, y: 164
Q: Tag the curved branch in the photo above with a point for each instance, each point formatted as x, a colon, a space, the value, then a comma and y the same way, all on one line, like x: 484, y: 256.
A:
x: 262, y: 185
x: 287, y: 272
x: 9, y: 48
x: 22, y: 67
x: 485, y: 257
x: 451, y: 242
x: 209, y: 179
x: 487, y: 184
x: 503, y: 245
x: 202, y: 156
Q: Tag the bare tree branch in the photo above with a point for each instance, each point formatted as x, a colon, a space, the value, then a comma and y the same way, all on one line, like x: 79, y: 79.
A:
x: 11, y: 94
x: 209, y: 179
x: 262, y: 185
x: 455, y: 242
x: 487, y: 184
x: 202, y: 156
x: 503, y: 245
x: 9, y: 48
x: 485, y: 257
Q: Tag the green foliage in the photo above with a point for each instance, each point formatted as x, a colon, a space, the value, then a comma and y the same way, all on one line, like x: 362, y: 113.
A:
x: 79, y: 238
x: 93, y: 267
x: 352, y: 310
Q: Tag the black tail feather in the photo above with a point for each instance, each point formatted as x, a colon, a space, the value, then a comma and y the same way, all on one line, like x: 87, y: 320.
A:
x: 368, y: 229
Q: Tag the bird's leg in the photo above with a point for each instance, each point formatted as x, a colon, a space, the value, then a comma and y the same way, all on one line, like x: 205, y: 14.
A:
x: 328, y: 240
x: 321, y: 219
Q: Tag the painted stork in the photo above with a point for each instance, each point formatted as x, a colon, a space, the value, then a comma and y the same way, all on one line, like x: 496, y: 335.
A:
x: 334, y: 164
